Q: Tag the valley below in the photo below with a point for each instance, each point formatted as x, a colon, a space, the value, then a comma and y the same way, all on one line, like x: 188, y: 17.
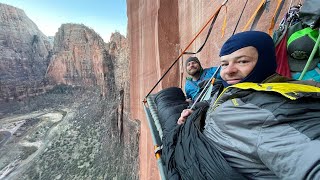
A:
x: 67, y: 133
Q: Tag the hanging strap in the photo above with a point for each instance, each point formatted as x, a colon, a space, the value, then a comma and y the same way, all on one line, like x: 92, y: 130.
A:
x: 275, y: 16
x: 205, y: 93
x: 185, y: 49
x: 224, y: 23
x: 262, y: 3
x: 244, y: 7
x: 209, y: 31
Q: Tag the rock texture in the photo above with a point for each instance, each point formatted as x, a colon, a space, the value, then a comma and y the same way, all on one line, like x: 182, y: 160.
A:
x: 25, y: 53
x: 158, y: 32
x: 77, y: 58
x: 79, y: 128
x: 68, y: 133
x: 118, y: 51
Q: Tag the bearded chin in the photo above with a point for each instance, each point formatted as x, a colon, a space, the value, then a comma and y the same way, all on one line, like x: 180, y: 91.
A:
x: 193, y: 73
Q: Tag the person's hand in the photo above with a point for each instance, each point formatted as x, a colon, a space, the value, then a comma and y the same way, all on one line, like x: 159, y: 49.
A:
x: 189, y: 100
x: 184, y: 115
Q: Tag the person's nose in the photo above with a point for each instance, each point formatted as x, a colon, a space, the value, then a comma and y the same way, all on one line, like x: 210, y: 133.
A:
x: 191, y: 65
x: 231, y: 68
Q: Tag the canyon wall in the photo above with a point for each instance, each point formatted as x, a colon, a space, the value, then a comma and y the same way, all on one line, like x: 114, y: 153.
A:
x: 31, y: 63
x: 160, y: 30
x: 78, y: 127
x: 77, y: 58
x: 25, y: 55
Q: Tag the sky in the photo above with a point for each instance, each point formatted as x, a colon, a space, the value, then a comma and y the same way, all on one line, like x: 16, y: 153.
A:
x: 103, y: 16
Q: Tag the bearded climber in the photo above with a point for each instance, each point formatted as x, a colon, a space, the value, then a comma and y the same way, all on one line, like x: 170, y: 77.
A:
x: 197, y: 75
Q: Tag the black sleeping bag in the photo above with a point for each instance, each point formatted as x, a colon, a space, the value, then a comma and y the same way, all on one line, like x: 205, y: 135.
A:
x: 170, y: 103
x: 187, y: 153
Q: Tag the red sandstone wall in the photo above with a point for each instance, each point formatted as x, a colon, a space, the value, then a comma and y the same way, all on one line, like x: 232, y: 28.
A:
x: 153, y: 36
x: 158, y: 30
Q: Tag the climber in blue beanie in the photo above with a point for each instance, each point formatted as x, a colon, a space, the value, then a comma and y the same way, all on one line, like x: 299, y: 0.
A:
x: 265, y: 125
x: 252, y: 43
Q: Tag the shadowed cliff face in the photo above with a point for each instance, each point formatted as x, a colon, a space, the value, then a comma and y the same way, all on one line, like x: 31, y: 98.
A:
x: 25, y: 53
x: 79, y: 126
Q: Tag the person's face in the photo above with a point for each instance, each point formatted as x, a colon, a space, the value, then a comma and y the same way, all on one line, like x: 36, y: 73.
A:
x: 237, y: 65
x: 193, y: 68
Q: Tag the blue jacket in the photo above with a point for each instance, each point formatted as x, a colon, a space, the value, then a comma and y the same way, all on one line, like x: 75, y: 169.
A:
x: 313, y: 74
x: 192, y: 88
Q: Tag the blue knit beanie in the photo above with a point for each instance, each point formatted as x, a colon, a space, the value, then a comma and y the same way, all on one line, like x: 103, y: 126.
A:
x: 266, y: 64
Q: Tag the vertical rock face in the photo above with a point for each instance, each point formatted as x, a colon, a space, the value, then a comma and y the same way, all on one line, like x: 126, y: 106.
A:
x: 158, y: 32
x: 153, y: 40
x: 119, y: 54
x: 24, y: 53
x: 77, y: 58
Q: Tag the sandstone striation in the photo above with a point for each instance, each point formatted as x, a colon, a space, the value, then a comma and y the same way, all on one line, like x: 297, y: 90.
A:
x: 25, y: 53
x: 77, y: 57
x: 159, y: 31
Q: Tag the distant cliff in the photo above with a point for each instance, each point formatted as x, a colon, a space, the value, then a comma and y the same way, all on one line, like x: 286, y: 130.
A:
x: 78, y: 126
x: 77, y: 57
x: 24, y: 54
x: 31, y: 63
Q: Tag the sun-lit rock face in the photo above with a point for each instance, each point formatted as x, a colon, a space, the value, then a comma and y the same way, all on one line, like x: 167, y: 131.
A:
x: 158, y: 31
x: 81, y: 58
x: 80, y: 127
x: 24, y: 52
x: 77, y: 58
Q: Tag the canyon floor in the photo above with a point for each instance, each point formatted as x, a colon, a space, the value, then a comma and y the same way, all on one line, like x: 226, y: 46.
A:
x: 67, y: 133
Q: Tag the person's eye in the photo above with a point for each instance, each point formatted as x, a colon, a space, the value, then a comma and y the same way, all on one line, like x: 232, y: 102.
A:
x: 241, y: 62
x: 224, y: 65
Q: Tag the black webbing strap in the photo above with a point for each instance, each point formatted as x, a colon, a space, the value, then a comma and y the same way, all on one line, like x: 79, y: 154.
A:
x: 214, y: 16
x: 240, y: 17
x: 208, y: 34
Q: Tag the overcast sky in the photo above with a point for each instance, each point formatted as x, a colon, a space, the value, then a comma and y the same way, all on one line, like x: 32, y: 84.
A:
x: 104, y: 16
